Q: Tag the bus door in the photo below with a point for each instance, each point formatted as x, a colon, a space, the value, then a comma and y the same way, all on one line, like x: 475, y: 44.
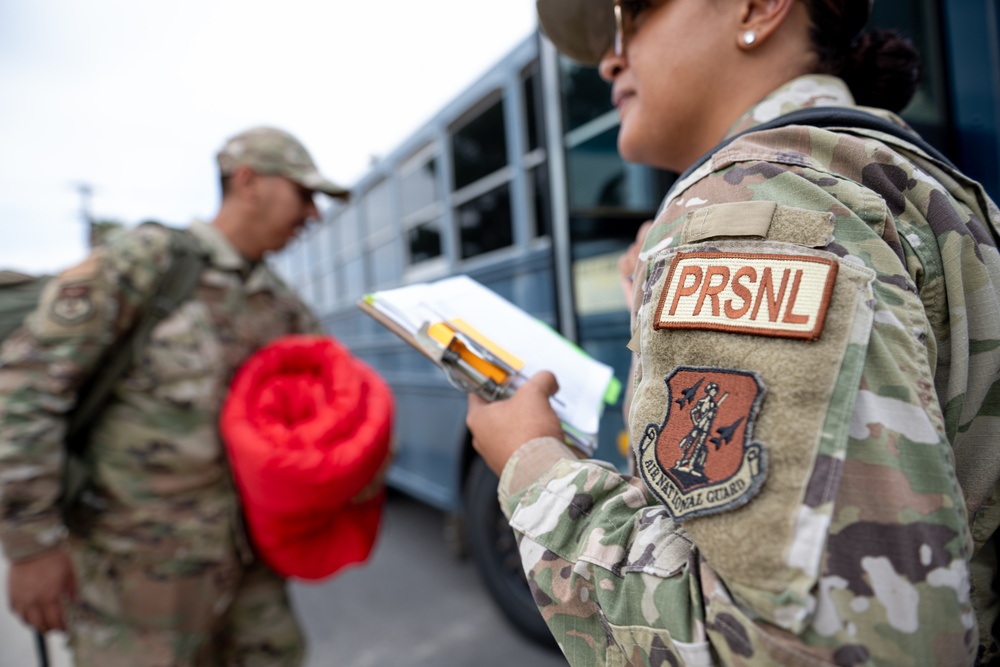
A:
x: 607, y: 199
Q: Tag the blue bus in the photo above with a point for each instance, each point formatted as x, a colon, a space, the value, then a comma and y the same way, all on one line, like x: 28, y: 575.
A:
x: 518, y: 184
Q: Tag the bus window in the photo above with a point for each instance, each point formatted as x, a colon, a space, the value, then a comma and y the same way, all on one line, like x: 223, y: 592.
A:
x: 331, y: 285
x: 380, y: 246
x: 350, y: 254
x: 384, y: 265
x: 479, y: 148
x: 590, y: 94
x: 377, y: 211
x: 918, y: 20
x: 484, y: 223
x: 324, y: 244
x: 421, y: 206
x: 538, y: 182
x: 533, y: 121
x: 314, y: 266
x: 482, y: 177
x: 348, y: 237
x: 354, y: 278
x: 599, y: 180
x: 424, y: 241
x: 419, y: 186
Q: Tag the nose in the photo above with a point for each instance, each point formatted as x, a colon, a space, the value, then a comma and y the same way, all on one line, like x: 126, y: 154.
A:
x: 309, y: 202
x: 612, y: 64
x: 312, y: 211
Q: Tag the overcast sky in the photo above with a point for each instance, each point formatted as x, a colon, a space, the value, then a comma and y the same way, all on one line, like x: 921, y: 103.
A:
x: 134, y: 97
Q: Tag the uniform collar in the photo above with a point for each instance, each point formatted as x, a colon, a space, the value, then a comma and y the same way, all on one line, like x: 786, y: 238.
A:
x: 812, y: 90
x: 222, y: 255
x: 221, y: 252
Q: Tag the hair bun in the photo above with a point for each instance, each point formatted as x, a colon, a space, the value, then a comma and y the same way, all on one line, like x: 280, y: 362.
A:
x: 882, y: 70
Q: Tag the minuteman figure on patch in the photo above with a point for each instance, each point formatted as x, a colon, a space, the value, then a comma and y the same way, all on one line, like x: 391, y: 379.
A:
x: 693, y: 444
x: 701, y: 460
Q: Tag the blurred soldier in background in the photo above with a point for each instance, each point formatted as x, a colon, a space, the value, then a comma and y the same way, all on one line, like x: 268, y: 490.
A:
x: 839, y: 290
x: 157, y: 571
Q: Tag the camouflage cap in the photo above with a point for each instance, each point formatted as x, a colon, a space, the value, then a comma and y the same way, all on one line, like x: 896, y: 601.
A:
x: 584, y: 30
x: 271, y: 151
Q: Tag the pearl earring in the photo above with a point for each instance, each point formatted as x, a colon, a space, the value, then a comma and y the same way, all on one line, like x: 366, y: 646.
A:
x: 749, y: 37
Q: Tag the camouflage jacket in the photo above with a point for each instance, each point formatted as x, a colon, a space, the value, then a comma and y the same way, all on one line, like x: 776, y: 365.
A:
x: 814, y: 420
x: 162, y: 483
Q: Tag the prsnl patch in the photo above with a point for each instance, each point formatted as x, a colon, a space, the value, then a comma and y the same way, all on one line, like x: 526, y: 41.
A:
x: 701, y: 460
x: 783, y: 296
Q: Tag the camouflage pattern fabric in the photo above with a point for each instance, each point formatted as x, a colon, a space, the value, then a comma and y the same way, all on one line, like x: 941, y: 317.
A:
x: 856, y: 522
x: 162, y: 489
x: 268, y: 150
x: 139, y: 611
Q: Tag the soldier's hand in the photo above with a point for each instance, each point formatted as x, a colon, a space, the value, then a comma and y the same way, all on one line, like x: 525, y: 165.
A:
x: 499, y: 428
x: 38, y: 587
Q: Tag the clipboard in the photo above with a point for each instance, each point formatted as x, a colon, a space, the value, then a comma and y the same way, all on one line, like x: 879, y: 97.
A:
x: 486, y: 345
x: 469, y: 363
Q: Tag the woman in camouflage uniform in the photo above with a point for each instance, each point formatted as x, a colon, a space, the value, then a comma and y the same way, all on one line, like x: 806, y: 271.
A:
x: 840, y: 290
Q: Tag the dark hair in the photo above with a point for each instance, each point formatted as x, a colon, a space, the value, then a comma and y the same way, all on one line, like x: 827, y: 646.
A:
x: 224, y: 180
x: 882, y: 68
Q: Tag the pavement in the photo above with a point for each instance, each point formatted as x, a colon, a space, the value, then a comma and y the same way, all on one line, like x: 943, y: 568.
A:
x: 412, y: 604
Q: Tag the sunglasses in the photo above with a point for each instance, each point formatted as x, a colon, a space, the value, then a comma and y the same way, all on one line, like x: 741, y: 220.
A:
x: 626, y: 12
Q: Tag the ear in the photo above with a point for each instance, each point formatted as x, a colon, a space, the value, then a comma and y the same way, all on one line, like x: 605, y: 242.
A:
x: 243, y: 181
x: 760, y: 19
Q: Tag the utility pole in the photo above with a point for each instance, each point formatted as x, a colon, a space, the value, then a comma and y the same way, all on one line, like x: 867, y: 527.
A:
x: 86, y: 192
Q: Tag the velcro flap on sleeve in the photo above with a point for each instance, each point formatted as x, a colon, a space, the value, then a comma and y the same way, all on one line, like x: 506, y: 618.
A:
x: 759, y: 219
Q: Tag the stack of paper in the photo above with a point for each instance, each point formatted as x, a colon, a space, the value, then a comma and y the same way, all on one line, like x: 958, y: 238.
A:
x: 584, y: 383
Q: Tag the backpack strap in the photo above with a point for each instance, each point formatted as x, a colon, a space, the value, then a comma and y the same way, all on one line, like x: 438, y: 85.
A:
x: 838, y: 118
x: 828, y: 118
x: 187, y: 260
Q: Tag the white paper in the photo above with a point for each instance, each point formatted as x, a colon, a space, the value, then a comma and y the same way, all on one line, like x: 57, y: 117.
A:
x: 583, y: 381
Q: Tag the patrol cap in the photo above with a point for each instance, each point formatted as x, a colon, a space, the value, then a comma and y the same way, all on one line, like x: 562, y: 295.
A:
x: 584, y: 30
x: 270, y: 151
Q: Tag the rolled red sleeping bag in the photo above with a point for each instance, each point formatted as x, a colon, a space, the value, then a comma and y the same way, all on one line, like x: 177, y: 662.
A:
x: 307, y: 428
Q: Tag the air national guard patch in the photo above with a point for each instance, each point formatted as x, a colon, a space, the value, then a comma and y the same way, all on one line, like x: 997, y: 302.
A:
x: 701, y: 459
x: 784, y: 296
x: 73, y: 305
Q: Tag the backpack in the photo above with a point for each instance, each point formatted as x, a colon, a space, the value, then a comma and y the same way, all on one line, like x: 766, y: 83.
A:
x: 19, y: 296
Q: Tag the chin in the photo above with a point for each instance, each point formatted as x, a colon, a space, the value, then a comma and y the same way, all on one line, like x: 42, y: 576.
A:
x: 652, y: 156
x: 639, y: 153
x: 631, y: 151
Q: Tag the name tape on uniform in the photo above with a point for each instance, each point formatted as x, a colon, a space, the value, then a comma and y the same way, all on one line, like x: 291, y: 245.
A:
x: 784, y: 296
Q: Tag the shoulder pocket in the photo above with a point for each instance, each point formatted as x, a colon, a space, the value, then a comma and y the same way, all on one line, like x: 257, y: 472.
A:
x: 750, y: 373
